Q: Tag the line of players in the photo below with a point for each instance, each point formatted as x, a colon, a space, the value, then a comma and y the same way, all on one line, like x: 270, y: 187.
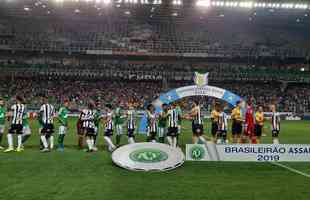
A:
x: 247, y: 124
x: 166, y: 124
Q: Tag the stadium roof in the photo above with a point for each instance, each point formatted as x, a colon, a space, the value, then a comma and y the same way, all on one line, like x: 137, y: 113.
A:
x: 281, y: 12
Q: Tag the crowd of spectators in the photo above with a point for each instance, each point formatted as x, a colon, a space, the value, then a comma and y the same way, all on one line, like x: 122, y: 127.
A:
x: 131, y: 36
x: 162, y: 71
x: 291, y: 98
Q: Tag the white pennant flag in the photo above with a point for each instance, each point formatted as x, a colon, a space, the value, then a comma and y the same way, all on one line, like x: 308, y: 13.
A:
x: 201, y: 79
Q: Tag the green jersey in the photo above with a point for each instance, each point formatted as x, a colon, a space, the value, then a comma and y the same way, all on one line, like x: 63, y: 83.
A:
x: 63, y: 116
x: 97, y: 118
x: 118, y: 116
x: 162, y: 120
x: 2, y: 115
x: 179, y: 111
x: 26, y: 120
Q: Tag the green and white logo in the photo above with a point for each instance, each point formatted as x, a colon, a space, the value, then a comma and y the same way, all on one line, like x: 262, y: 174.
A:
x: 148, y: 155
x: 197, y: 152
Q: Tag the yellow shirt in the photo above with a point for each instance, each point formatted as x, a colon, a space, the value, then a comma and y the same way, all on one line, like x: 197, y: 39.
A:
x: 215, y: 116
x: 259, y: 118
x: 236, y: 114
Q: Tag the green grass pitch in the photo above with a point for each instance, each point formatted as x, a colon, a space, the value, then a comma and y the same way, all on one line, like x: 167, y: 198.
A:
x: 76, y: 175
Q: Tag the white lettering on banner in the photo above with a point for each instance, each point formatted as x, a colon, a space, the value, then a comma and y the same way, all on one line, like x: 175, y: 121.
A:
x: 252, y: 152
x: 198, y: 91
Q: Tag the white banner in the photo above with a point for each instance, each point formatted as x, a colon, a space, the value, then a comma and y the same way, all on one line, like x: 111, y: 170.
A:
x: 249, y: 152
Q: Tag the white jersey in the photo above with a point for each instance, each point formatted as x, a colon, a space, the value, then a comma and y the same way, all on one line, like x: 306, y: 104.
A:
x: 131, y: 119
x: 109, y: 122
x: 275, y: 121
x: 19, y: 110
x: 173, y: 118
x: 88, y: 118
x: 47, y: 113
x: 223, y: 121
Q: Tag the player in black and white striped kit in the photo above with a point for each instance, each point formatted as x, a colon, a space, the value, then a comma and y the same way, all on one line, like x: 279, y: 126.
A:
x: 151, y: 123
x: 173, y: 119
x: 222, y: 127
x: 88, y: 125
x: 197, y: 123
x: 131, y: 124
x: 18, y: 110
x: 275, y: 125
x: 108, y: 130
x: 47, y: 114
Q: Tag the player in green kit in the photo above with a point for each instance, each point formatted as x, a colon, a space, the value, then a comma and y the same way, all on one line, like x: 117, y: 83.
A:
x: 162, y: 123
x: 2, y: 120
x: 26, y: 129
x: 97, y: 124
x: 119, y: 121
x: 63, y: 121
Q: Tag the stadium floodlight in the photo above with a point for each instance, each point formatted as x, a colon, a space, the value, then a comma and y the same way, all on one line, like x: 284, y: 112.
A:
x: 157, y: 2
x: 144, y: 1
x: 246, y: 4
x: 203, y: 3
x: 106, y: 1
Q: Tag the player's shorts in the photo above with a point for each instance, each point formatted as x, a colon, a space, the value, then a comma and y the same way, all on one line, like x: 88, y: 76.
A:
x: 26, y: 130
x: 249, y: 130
x: 62, y: 130
x: 2, y: 127
x: 89, y: 131
x: 173, y: 131
x: 214, y: 129
x: 152, y: 135
x: 236, y: 128
x: 222, y: 133
x: 179, y: 129
x: 131, y: 132
x: 162, y: 131
x: 119, y: 129
x: 275, y: 133
x: 108, y: 132
x: 47, y: 129
x: 258, y: 130
x: 197, y: 129
x: 96, y: 130
x: 16, y: 129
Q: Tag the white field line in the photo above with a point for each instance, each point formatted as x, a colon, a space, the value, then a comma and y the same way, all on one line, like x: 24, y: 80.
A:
x: 291, y: 169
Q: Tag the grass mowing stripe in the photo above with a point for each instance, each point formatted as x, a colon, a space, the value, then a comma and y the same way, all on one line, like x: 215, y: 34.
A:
x: 291, y: 169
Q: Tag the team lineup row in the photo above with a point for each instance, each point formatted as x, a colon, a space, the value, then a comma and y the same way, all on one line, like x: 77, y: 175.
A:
x: 162, y: 125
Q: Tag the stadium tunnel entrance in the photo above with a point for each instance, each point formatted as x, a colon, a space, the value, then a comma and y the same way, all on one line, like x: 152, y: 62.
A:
x: 187, y: 91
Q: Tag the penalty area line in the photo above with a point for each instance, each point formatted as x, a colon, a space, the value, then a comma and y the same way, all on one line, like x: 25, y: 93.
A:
x: 291, y: 169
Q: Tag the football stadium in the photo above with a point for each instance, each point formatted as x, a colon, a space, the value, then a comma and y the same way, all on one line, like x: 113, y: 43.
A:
x: 154, y: 99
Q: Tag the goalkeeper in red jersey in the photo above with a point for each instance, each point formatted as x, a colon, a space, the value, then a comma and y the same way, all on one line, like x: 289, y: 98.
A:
x: 249, y: 125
